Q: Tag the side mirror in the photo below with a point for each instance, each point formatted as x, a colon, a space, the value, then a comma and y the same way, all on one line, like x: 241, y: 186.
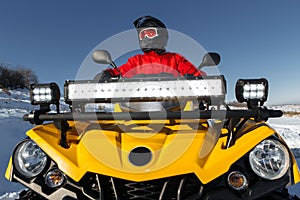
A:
x: 210, y: 59
x: 102, y: 57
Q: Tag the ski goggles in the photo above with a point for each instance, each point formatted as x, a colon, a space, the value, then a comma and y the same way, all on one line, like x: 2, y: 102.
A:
x: 148, y: 32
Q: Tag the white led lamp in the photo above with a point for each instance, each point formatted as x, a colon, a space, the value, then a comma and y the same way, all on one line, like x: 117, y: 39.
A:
x: 252, y: 91
x: 44, y: 94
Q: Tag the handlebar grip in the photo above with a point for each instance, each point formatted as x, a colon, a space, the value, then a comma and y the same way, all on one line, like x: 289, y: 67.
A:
x: 275, y: 113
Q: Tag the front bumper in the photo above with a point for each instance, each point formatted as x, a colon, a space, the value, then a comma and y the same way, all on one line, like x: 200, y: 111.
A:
x: 188, y: 186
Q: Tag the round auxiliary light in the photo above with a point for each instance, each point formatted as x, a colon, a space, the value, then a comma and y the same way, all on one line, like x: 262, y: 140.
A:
x: 55, y: 178
x: 237, y: 180
x: 269, y: 159
x: 29, y: 159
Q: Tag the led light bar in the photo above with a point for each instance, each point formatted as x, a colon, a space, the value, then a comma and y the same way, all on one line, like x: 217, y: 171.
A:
x: 252, y: 90
x: 145, y: 90
x: 44, y: 94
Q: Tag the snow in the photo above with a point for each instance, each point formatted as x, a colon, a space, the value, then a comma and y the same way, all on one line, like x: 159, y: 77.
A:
x: 289, y: 129
x: 14, y: 104
x: 288, y: 107
x: 12, y: 195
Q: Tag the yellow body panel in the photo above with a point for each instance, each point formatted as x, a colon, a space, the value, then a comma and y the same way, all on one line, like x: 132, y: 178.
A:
x: 174, y: 152
x: 9, y: 169
x: 296, y: 171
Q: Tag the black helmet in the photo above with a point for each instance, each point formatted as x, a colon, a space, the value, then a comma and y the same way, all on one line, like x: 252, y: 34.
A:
x: 151, y: 39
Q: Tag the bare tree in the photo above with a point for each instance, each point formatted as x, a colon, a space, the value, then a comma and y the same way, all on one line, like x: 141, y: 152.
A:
x: 5, y: 75
x: 16, y: 77
x: 28, y: 75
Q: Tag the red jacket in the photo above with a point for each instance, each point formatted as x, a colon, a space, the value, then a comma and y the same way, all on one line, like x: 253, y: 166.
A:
x: 153, y: 63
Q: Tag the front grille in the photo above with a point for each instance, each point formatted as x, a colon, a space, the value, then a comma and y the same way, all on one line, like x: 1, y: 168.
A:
x: 143, y: 190
x: 111, y: 188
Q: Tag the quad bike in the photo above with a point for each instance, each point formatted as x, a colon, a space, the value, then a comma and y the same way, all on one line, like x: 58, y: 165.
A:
x: 193, y: 146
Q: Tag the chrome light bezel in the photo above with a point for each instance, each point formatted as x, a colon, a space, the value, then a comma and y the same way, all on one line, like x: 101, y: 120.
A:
x: 55, y: 178
x: 270, y: 159
x: 25, y: 159
x: 237, y: 181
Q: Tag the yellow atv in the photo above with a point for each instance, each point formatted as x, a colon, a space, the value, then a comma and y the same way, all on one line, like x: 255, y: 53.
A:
x: 165, y: 138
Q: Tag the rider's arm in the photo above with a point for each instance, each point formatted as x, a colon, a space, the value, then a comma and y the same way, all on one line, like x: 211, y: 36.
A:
x: 126, y: 69
x: 185, y: 67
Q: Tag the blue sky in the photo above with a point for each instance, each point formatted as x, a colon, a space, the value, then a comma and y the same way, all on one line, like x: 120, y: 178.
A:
x: 255, y: 38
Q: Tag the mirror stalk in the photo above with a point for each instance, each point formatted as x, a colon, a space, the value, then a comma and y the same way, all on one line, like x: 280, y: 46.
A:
x: 200, y: 66
x: 116, y: 67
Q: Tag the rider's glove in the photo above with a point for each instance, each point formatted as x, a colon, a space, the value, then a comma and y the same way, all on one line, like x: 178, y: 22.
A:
x: 105, y: 75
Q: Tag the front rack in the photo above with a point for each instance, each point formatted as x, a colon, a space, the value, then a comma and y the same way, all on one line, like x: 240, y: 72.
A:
x: 258, y: 114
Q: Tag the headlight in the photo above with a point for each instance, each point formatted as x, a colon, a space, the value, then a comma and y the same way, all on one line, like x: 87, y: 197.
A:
x: 269, y: 159
x: 29, y: 159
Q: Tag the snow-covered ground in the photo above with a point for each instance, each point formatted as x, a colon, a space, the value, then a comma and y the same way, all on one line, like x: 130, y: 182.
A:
x: 12, y: 129
x: 13, y: 105
x: 288, y: 108
x: 289, y: 128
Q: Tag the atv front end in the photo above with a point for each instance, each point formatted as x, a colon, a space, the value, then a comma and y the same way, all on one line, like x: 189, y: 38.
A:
x: 205, y: 152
